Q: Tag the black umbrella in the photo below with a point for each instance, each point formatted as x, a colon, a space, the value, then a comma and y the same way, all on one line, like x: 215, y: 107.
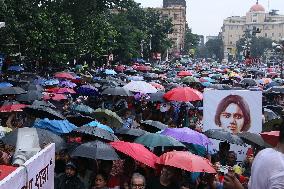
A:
x: 43, y: 112
x: 153, y: 126
x: 44, y: 137
x: 78, y: 119
x: 43, y: 104
x: 220, y: 134
x: 30, y: 96
x: 117, y: 91
x: 32, y: 87
x: 11, y: 91
x: 95, y: 150
x: 130, y: 132
x: 253, y: 138
x: 270, y: 115
x: 275, y: 89
x: 157, y: 97
x: 249, y: 82
x: 96, y: 132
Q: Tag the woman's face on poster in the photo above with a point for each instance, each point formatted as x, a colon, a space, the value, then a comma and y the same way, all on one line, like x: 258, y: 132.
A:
x: 232, y: 118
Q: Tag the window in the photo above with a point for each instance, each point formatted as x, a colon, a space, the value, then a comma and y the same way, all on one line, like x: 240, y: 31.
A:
x: 231, y: 42
x: 175, y: 16
x: 253, y: 20
x: 272, y: 34
x: 280, y: 35
x: 265, y: 35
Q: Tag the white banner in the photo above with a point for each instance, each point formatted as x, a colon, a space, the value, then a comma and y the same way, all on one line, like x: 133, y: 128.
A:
x: 36, y: 173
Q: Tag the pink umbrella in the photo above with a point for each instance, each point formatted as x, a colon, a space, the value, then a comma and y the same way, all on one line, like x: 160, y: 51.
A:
x: 183, y: 94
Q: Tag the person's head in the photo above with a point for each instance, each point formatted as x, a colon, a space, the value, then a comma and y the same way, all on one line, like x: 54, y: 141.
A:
x: 224, y: 147
x: 101, y: 180
x: 233, y: 114
x: 138, y: 181
x: 231, y: 158
x: 70, y: 169
x: 169, y: 174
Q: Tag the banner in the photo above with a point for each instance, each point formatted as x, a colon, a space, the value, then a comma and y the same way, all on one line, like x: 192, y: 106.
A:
x: 36, y: 173
x: 235, y: 111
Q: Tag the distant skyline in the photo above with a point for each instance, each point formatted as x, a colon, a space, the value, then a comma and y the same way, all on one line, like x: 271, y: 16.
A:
x: 205, y: 17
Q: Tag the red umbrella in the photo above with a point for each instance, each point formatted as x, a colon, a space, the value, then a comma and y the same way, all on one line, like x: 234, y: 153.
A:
x: 56, y: 97
x: 120, y: 68
x: 142, y: 68
x: 271, y: 137
x: 65, y: 90
x: 157, y: 86
x: 6, y: 170
x: 184, y: 73
x: 12, y: 107
x: 187, y: 161
x: 136, y: 151
x: 64, y: 75
x: 183, y: 94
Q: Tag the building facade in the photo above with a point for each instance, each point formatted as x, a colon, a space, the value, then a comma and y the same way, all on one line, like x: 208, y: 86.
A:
x: 269, y: 24
x: 176, y: 11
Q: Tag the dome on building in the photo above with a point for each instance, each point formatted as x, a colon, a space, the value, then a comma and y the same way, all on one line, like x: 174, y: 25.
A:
x: 257, y: 8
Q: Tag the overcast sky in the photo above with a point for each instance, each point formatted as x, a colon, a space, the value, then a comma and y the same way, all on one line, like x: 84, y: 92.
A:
x: 206, y: 16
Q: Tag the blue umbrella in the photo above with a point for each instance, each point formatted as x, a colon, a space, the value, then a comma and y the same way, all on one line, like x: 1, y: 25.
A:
x: 99, y: 125
x: 87, y: 90
x: 55, y: 126
x: 16, y: 68
x: 110, y: 72
x: 5, y: 84
x: 51, y: 82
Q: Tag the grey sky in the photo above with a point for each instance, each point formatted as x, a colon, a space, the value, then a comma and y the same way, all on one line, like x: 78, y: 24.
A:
x: 206, y: 16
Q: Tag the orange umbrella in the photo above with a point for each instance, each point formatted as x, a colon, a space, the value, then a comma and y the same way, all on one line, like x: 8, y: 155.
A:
x: 186, y: 161
x: 271, y: 137
x: 183, y: 94
x: 136, y: 151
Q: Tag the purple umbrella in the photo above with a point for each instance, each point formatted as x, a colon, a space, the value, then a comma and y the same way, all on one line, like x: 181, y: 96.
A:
x: 68, y: 84
x: 187, y: 135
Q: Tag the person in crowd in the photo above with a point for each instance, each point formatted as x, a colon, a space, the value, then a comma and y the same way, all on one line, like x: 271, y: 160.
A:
x: 100, y: 181
x: 127, y: 119
x: 138, y: 181
x: 69, y: 180
x: 221, y: 155
x: 246, y: 165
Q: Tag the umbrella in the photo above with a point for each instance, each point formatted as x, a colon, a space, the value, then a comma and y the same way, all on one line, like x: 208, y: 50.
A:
x: 142, y: 68
x: 117, y: 91
x: 275, y: 89
x: 130, y: 132
x: 183, y: 94
x: 64, y: 75
x: 249, y: 82
x: 184, y: 73
x: 67, y: 83
x: 41, y: 103
x: 5, y: 84
x: 157, y: 86
x: 95, y: 150
x: 253, y: 138
x: 190, y: 79
x: 140, y: 87
x: 87, y: 90
x: 12, y: 108
x: 33, y: 87
x: 11, y: 91
x: 6, y: 170
x: 186, y: 161
x: 120, y: 68
x: 30, y: 96
x: 53, y: 96
x: 270, y: 115
x: 99, y: 125
x: 223, y: 135
x: 81, y: 108
x: 136, y: 151
x: 156, y: 97
x: 96, y: 132
x: 152, y: 140
x: 207, y: 79
x: 112, y: 119
x: 61, y: 90
x: 55, y: 126
x: 16, y: 68
x: 51, y: 82
x: 79, y: 119
x: 43, y: 112
x: 187, y: 135
x: 110, y: 72
x: 44, y: 137
x: 155, y: 124
x: 136, y: 78
x: 271, y: 137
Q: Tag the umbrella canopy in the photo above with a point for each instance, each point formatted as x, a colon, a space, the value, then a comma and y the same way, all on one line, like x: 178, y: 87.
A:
x: 12, y: 107
x: 186, y: 161
x: 220, y: 134
x: 97, y: 132
x: 43, y: 112
x: 270, y: 115
x: 5, y: 84
x: 156, y: 124
x: 68, y: 84
x: 187, y: 135
x: 142, y: 68
x: 112, y: 119
x: 16, y: 68
x: 87, y: 90
x: 275, y: 89
x: 117, y: 91
x: 79, y: 119
x: 253, y: 138
x: 152, y: 140
x: 81, y: 108
x: 190, y: 79
x: 53, y: 96
x: 120, y: 68
x: 184, y: 73
x: 30, y: 96
x: 55, y: 126
x: 99, y: 125
x: 11, y: 91
x: 183, y: 94
x: 110, y: 72
x: 249, y: 82
x: 42, y: 103
x: 140, y: 87
x: 271, y: 137
x: 64, y: 75
x: 44, y: 137
x: 137, y: 151
x: 157, y: 86
x: 61, y: 90
x: 95, y: 150
x: 157, y: 97
x: 130, y: 132
x: 6, y: 170
x: 51, y: 82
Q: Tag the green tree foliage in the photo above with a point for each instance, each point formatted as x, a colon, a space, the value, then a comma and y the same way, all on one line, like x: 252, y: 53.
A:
x: 213, y: 48
x: 191, y: 40
x: 257, y: 47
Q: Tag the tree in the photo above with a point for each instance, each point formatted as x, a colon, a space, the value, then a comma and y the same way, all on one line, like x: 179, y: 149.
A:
x: 191, y: 40
x: 213, y: 49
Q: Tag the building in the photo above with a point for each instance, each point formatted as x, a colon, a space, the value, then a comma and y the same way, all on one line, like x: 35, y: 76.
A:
x: 211, y: 37
x: 176, y: 11
x: 270, y: 25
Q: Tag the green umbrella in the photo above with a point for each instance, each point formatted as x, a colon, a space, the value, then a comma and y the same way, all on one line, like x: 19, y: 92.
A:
x: 81, y: 108
x: 111, y: 118
x: 152, y: 140
x: 190, y: 79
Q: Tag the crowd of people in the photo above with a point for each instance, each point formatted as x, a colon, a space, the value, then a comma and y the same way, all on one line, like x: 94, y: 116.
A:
x: 134, y: 97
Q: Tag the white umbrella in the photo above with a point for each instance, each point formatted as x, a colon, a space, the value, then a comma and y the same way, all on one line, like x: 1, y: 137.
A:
x: 141, y: 87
